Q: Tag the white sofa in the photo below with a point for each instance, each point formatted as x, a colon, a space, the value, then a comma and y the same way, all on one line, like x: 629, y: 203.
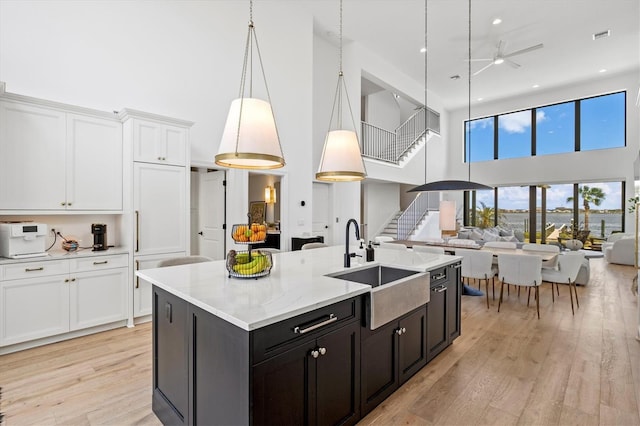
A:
x: 621, y: 251
x: 613, y: 238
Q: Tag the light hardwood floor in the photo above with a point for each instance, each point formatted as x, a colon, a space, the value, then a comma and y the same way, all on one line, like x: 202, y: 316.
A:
x: 506, y: 368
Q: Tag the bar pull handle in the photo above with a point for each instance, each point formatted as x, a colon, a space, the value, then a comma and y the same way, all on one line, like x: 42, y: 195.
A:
x: 168, y: 312
x: 137, y: 277
x: 104, y: 262
x: 332, y: 318
x: 439, y: 276
x: 137, y: 213
x: 34, y: 269
x: 439, y: 289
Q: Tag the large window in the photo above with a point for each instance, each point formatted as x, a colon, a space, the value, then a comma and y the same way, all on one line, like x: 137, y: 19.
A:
x: 514, y: 135
x: 555, y: 129
x: 602, y: 124
x: 480, y: 141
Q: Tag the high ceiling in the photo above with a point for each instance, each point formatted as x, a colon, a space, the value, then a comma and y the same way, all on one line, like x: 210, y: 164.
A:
x: 394, y: 29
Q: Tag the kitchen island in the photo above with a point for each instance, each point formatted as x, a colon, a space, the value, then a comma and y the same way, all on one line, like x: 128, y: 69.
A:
x: 290, y: 347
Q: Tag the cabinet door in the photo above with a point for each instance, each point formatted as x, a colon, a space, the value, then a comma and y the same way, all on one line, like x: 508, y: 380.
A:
x: 33, y: 308
x: 338, y: 377
x: 379, y: 365
x: 32, y: 157
x: 170, y: 358
x: 98, y: 297
x: 437, y: 330
x: 142, y: 295
x: 454, y: 294
x: 160, y: 207
x: 281, y: 391
x: 412, y: 343
x: 94, y: 158
x: 159, y: 143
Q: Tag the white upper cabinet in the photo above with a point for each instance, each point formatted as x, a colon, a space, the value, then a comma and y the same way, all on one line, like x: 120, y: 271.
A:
x: 159, y: 143
x: 32, y: 157
x: 94, y: 153
x: 53, y: 159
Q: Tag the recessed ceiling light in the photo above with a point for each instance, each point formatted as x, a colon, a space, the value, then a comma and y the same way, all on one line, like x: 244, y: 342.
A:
x: 603, y: 70
x: 423, y: 49
x: 601, y: 34
x: 479, y: 99
x: 535, y: 86
x: 497, y: 21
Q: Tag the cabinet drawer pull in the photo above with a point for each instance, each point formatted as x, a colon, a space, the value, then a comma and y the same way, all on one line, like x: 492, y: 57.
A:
x: 34, y: 269
x: 439, y: 276
x: 63, y: 203
x: 332, y: 318
x: 314, y: 353
x: 439, y: 289
x: 104, y: 262
x: 322, y: 351
x: 457, y: 266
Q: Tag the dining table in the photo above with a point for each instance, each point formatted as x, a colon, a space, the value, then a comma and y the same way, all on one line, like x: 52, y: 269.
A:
x: 545, y: 255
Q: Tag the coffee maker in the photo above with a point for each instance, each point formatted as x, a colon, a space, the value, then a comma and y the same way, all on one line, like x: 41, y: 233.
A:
x: 99, y: 231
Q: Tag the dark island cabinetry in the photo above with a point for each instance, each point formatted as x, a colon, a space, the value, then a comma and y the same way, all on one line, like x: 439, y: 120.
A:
x: 443, y: 309
x: 392, y: 354
x: 302, y: 370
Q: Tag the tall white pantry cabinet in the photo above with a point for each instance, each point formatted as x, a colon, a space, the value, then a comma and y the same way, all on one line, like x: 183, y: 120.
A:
x: 160, y: 178
x: 75, y: 165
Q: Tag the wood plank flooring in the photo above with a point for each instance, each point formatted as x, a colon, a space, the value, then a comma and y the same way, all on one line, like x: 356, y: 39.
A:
x: 506, y: 368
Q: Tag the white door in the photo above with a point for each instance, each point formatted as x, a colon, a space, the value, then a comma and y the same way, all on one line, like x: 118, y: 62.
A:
x: 211, y: 203
x: 160, y: 208
x: 321, y: 213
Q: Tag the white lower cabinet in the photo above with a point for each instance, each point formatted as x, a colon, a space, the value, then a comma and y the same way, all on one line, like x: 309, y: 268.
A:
x: 48, y: 298
x: 142, y: 289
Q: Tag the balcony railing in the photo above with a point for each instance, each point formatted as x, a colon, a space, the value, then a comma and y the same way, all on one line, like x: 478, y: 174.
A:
x: 417, y: 210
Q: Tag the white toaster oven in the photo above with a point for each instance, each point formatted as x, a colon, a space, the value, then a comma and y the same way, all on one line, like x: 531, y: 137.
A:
x: 22, y: 239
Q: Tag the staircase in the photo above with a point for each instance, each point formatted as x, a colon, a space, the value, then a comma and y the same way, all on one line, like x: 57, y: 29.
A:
x: 391, y: 228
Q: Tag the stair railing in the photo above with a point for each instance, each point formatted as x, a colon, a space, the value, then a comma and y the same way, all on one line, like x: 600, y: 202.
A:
x: 413, y: 215
x: 383, y: 145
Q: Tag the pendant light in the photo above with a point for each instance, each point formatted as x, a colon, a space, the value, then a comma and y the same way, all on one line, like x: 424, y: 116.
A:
x: 250, y: 138
x: 341, y: 160
x: 448, y: 185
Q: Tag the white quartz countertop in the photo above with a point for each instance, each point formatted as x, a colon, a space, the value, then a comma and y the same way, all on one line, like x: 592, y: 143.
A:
x: 296, y: 284
x: 62, y: 254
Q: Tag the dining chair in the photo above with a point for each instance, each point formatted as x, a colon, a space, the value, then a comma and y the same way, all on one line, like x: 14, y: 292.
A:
x: 569, y: 265
x: 428, y: 249
x: 479, y: 265
x: 393, y: 246
x: 547, y: 248
x: 309, y: 246
x: 523, y: 270
x: 183, y: 260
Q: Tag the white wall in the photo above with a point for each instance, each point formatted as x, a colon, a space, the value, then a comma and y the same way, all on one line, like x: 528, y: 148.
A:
x: 383, y: 111
x: 381, y: 202
x: 176, y: 58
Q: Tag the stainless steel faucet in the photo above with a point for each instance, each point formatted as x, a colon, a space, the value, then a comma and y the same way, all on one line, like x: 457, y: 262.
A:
x: 347, y: 255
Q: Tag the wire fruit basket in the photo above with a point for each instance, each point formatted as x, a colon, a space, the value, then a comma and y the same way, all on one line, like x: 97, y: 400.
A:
x: 249, y: 234
x: 249, y: 264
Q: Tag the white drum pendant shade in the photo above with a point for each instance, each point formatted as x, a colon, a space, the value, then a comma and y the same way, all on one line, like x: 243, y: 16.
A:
x: 341, y: 160
x: 250, y: 138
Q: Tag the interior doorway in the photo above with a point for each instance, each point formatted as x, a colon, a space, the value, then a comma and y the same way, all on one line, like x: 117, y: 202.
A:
x: 208, y: 202
x: 321, y: 214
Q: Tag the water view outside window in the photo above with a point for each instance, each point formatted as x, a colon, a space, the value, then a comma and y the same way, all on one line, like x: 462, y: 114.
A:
x: 559, y: 212
x: 514, y: 135
x: 480, y: 140
x: 485, y: 209
x: 513, y: 208
x: 555, y: 129
x: 602, y: 122
x: 600, y: 208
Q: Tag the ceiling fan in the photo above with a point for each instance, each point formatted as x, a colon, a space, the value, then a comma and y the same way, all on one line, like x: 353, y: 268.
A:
x: 501, y: 57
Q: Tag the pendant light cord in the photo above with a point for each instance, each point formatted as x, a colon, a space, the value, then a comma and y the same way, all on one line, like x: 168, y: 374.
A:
x: 426, y: 92
x: 469, y: 97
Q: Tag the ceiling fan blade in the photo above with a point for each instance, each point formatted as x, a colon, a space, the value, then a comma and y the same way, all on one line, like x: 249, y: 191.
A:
x: 525, y: 50
x: 478, y: 59
x: 512, y: 64
x: 482, y: 69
